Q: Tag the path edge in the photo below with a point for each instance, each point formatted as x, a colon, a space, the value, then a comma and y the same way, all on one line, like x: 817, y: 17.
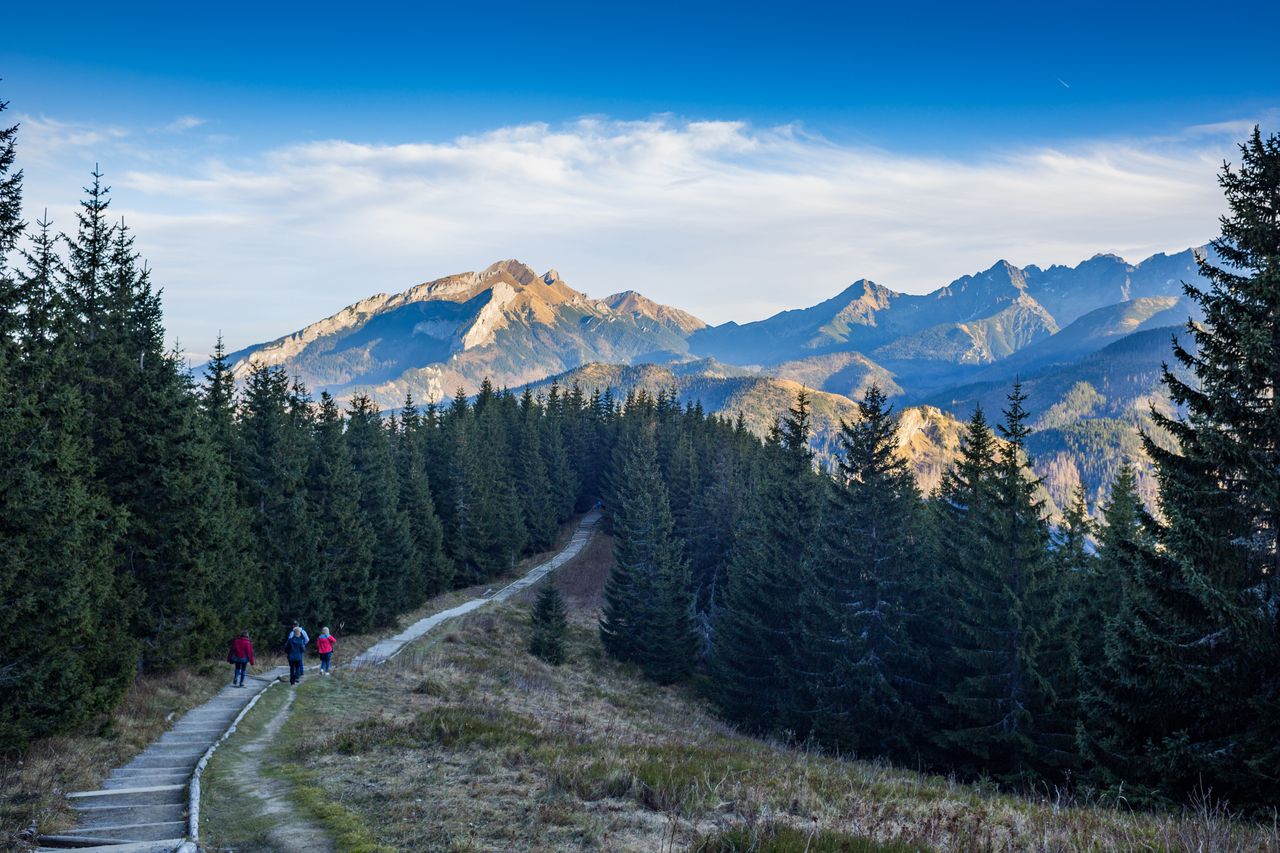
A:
x: 193, y: 788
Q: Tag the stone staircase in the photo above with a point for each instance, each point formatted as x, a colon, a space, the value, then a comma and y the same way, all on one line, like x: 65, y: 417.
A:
x: 142, y: 806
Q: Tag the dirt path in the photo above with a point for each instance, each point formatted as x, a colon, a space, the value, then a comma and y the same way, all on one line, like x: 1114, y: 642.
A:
x: 288, y: 830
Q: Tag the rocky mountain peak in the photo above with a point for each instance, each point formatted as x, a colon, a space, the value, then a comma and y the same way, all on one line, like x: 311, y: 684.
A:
x: 521, y: 272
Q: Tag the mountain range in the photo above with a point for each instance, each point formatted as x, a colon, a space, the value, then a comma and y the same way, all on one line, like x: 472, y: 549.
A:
x: 1087, y: 342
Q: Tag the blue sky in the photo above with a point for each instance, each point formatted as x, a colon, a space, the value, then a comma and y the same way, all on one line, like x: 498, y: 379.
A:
x: 302, y: 158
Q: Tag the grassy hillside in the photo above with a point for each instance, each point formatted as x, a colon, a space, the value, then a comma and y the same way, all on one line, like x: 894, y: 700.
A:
x: 467, y: 743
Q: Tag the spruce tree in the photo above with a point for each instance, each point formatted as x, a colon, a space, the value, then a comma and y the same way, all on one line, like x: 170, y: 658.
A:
x: 1219, y: 493
x: 342, y: 590
x: 1133, y: 682
x: 717, y: 511
x: 533, y: 483
x: 858, y: 656
x: 546, y: 639
x: 1008, y: 721
x: 562, y: 477
x: 152, y: 456
x: 1073, y: 651
x: 434, y: 572
x: 273, y: 472
x: 754, y: 648
x: 394, y: 556
x: 56, y: 578
x: 647, y: 615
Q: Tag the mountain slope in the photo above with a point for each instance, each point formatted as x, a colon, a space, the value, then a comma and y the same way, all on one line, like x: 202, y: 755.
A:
x: 965, y: 322
x: 506, y: 323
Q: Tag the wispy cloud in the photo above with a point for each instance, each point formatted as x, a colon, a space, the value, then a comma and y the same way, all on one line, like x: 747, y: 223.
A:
x: 721, y: 218
x: 183, y: 123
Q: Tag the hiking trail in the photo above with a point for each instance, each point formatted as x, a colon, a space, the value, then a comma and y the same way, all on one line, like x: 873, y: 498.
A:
x: 142, y: 806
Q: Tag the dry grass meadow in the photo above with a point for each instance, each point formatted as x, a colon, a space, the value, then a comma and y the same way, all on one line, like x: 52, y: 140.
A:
x: 468, y: 743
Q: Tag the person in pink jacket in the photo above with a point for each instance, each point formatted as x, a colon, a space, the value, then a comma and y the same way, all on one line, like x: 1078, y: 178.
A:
x: 325, y: 644
x: 240, y: 654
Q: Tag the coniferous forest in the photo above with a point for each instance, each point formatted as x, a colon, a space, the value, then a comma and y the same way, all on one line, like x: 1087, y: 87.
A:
x: 146, y: 515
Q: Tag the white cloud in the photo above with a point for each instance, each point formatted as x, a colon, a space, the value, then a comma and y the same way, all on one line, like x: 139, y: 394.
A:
x: 181, y: 123
x: 724, y: 219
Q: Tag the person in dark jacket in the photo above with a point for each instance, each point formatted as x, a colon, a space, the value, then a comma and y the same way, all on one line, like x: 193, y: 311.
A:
x: 240, y: 654
x: 295, y: 649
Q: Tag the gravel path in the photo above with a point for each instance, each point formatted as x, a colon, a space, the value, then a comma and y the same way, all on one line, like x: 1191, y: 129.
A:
x: 392, y: 646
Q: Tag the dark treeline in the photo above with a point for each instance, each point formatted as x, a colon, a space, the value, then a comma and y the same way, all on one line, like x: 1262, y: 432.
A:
x: 1134, y: 655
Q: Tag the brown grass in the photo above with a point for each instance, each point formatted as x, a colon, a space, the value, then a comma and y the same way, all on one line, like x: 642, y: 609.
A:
x: 466, y: 742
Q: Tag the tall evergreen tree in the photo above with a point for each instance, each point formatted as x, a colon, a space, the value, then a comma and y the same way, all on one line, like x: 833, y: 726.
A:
x: 56, y: 578
x: 394, y: 554
x: 342, y: 590
x: 273, y: 473
x: 858, y: 654
x: 533, y: 483
x: 434, y: 571
x: 754, y: 645
x: 1219, y: 492
x: 648, y: 613
x: 1135, y: 718
x: 561, y: 474
x: 1005, y: 599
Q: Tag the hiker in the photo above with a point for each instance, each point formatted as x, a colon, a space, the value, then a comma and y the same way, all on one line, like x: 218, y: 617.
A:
x: 240, y: 654
x: 325, y: 644
x: 306, y: 638
x: 295, y: 649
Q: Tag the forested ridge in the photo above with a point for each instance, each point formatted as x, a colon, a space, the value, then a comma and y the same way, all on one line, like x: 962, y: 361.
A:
x: 146, y: 516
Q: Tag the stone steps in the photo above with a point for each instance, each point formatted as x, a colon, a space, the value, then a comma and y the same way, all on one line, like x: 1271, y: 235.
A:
x: 142, y: 806
x: 128, y: 815
x: 86, y: 845
x: 133, y: 831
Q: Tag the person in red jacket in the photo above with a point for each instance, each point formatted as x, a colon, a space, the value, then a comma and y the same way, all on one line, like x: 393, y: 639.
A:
x: 240, y: 654
x: 325, y: 644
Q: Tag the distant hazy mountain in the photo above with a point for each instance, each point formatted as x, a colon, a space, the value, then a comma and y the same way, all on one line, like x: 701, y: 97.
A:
x: 1087, y: 340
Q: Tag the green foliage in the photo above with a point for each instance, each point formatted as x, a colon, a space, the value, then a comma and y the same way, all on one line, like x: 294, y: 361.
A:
x: 1210, y: 597
x: 755, y: 630
x: 648, y: 611
x: 546, y: 639
x: 861, y: 590
x: 1005, y: 605
x: 342, y: 590
x: 378, y: 487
